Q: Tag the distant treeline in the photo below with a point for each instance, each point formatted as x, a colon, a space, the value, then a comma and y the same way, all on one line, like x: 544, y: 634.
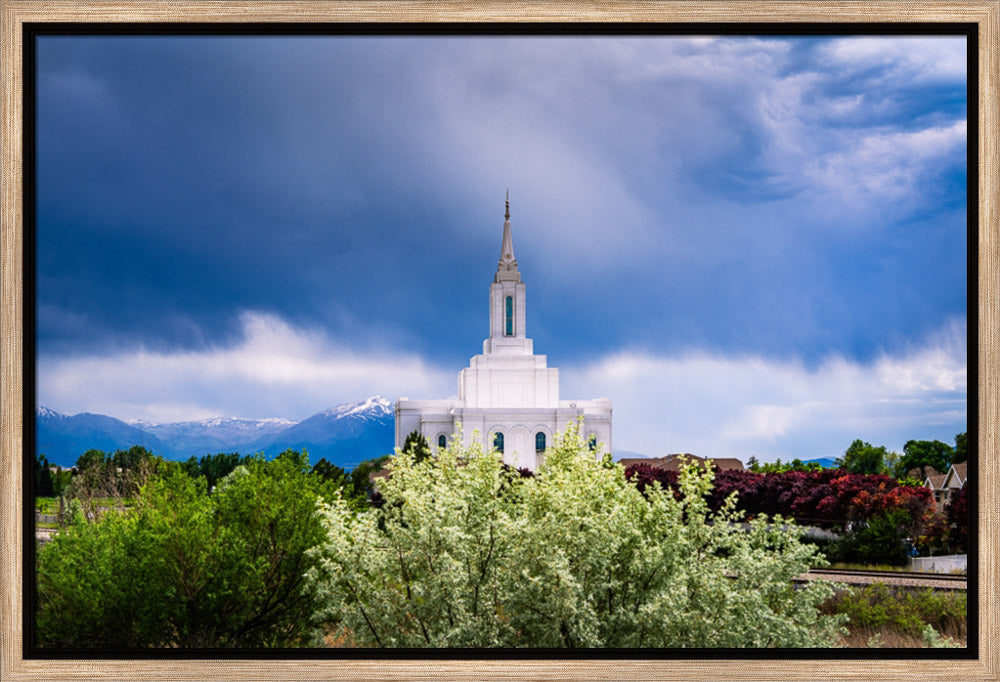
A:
x: 98, y: 474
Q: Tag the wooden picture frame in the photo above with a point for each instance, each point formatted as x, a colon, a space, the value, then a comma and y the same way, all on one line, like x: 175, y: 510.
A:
x: 15, y: 13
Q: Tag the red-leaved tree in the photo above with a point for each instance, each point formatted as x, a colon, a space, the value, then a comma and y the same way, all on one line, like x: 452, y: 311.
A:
x: 831, y: 498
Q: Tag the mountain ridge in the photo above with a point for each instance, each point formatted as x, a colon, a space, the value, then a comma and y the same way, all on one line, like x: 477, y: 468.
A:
x: 344, y: 435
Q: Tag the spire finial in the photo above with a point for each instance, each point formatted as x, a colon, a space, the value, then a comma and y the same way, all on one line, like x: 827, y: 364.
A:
x: 507, y: 267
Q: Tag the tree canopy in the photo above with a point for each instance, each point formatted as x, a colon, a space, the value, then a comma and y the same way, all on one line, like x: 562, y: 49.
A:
x: 926, y: 455
x: 864, y: 458
x: 961, y: 448
x: 876, y: 515
x: 214, y: 467
x: 417, y: 445
x: 779, y: 467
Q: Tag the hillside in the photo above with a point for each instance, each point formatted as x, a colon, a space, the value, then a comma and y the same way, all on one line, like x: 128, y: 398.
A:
x: 345, y: 435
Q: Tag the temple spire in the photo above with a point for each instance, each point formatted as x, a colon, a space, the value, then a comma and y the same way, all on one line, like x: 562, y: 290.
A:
x: 507, y: 267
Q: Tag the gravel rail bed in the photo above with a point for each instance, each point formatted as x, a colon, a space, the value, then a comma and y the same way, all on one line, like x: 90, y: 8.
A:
x: 901, y: 579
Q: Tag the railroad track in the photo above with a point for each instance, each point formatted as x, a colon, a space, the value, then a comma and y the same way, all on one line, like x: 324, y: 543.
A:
x: 912, y: 580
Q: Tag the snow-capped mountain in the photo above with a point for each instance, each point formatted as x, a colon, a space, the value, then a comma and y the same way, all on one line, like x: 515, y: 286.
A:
x: 215, y: 434
x: 46, y: 413
x: 345, y: 435
x: 62, y: 438
x: 372, y: 408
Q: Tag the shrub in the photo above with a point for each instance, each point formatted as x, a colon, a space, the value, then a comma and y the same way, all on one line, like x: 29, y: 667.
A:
x: 186, y: 567
x: 957, y: 515
x: 877, y: 606
x: 877, y: 515
x: 878, y: 541
x: 467, y: 553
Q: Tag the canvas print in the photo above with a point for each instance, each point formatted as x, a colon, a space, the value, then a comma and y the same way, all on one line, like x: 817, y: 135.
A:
x: 501, y: 342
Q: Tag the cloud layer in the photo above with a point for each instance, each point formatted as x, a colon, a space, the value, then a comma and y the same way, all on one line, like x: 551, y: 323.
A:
x: 274, y: 370
x: 706, y: 404
x: 751, y: 244
x: 741, y: 406
x: 357, y: 185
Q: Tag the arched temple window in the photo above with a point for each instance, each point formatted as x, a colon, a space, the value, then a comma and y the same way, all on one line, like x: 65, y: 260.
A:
x: 442, y: 441
x: 592, y: 442
x: 540, y: 442
x: 498, y: 442
x: 508, y: 327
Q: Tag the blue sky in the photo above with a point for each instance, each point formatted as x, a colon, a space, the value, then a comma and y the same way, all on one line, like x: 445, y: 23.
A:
x: 753, y: 246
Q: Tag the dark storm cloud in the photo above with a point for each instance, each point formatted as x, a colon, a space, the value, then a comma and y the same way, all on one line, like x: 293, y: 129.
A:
x: 183, y: 181
x: 198, y: 178
x: 789, y: 199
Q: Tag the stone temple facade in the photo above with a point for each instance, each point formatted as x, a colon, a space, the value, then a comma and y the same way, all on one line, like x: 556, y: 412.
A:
x: 508, y: 397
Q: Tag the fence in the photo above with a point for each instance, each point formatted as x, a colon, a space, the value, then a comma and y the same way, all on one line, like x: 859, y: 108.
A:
x: 952, y: 563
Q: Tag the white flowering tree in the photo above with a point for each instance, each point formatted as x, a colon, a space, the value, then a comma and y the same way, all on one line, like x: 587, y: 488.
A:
x: 467, y: 553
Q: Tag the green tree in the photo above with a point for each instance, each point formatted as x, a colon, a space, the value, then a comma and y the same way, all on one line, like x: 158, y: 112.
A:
x: 91, y: 458
x: 61, y: 480
x: 777, y: 467
x: 188, y: 567
x: 863, y: 458
x: 925, y: 455
x: 417, y: 445
x: 361, y: 475
x: 44, y: 484
x: 93, y: 483
x: 466, y: 553
x: 961, y: 452
x: 132, y: 459
x: 103, y: 479
x: 329, y: 471
x: 893, y: 462
x: 881, y: 540
x: 215, y: 467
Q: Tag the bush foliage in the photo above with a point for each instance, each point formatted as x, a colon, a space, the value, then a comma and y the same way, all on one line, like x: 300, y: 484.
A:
x: 879, y: 516
x: 187, y: 567
x: 460, y: 550
x: 465, y: 552
x: 876, y: 606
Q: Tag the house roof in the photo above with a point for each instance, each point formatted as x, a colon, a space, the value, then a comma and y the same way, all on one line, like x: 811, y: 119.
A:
x: 673, y: 462
x: 957, y: 475
x: 923, y: 473
x: 935, y: 481
x: 954, y: 478
x: 727, y: 463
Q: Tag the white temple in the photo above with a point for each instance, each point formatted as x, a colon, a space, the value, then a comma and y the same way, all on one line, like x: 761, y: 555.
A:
x: 508, y: 397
